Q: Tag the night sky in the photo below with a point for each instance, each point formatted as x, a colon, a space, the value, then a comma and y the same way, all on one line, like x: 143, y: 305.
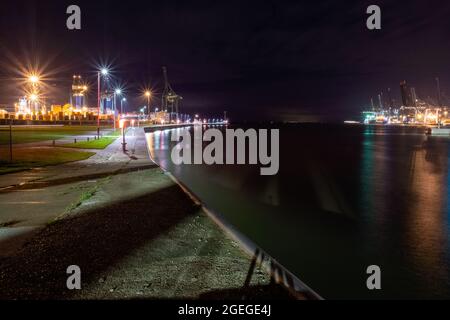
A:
x: 265, y: 60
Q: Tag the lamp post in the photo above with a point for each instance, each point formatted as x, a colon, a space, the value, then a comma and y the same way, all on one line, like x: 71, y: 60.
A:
x: 34, y: 80
x: 117, y: 92
x: 33, y: 100
x: 10, y: 139
x: 148, y: 94
x: 103, y: 72
x: 122, y: 126
x: 121, y: 107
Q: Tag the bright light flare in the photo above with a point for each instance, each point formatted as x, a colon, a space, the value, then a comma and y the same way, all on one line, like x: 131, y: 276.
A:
x: 33, y: 78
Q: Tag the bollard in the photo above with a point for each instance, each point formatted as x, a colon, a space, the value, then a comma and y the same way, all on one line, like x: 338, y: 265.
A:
x: 88, y: 139
x: 74, y: 140
x: 53, y: 143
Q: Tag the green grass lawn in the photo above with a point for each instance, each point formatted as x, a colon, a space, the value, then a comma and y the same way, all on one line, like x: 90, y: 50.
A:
x: 27, y: 158
x: 101, y: 143
x: 34, y: 134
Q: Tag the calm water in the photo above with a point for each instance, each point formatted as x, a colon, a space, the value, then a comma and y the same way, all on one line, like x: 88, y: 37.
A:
x: 346, y: 197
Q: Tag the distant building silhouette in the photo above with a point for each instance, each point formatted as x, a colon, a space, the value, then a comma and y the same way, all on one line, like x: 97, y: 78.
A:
x: 406, y: 94
x: 413, y: 96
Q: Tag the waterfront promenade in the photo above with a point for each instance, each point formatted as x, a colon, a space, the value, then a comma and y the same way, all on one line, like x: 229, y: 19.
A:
x: 132, y: 231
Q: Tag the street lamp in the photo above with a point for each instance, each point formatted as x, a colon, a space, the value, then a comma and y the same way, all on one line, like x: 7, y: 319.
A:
x: 121, y: 102
x: 103, y: 72
x: 33, y: 79
x: 117, y: 92
x: 33, y: 99
x: 148, y: 94
x: 122, y: 126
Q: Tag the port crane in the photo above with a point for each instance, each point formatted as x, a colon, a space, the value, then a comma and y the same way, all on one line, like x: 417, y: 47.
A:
x: 170, y: 100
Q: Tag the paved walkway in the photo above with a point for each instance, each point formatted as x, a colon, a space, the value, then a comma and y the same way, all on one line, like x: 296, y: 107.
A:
x: 133, y: 232
x: 31, y: 199
x: 107, y: 160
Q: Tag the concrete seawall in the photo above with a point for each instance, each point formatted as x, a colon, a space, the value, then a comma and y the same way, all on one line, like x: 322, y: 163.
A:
x: 278, y: 272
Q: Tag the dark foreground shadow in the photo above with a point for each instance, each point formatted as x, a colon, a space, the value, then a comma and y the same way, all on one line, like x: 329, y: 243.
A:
x: 99, y: 239
x: 94, y: 241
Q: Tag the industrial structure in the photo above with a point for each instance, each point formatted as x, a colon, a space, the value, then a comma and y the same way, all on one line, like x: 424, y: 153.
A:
x: 34, y: 107
x: 412, y: 110
x: 78, y: 98
x: 170, y: 100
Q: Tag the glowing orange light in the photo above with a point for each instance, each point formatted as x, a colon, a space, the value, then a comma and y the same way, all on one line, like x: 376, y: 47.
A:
x: 33, y: 78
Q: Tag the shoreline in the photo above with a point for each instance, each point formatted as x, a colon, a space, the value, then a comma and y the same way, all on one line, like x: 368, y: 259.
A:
x: 276, y: 270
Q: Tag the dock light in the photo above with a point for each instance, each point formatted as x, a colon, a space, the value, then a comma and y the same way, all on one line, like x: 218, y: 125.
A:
x: 33, y: 78
x: 148, y: 94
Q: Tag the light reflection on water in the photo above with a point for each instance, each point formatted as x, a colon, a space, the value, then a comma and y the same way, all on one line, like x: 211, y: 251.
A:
x: 345, y: 197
